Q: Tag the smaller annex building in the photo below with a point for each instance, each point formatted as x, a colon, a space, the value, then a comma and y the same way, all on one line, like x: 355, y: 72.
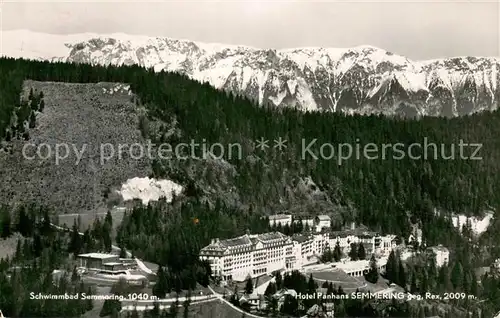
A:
x: 97, y: 260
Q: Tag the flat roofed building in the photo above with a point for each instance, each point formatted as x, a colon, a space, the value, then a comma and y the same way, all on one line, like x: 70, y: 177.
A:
x: 281, y: 219
x: 361, y: 267
x: 307, y: 244
x: 385, y: 244
x: 415, y: 236
x: 96, y: 260
x: 344, y: 239
x: 320, y: 243
x: 323, y: 222
x: 441, y: 253
x: 306, y: 220
x: 372, y: 242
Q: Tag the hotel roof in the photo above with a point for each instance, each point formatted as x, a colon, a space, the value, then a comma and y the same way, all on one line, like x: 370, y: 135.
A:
x: 324, y: 218
x: 300, y: 238
x: 271, y: 236
x: 244, y: 241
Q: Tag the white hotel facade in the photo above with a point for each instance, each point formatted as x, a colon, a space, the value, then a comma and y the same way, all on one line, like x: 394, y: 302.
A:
x: 260, y: 254
x: 373, y: 243
x: 249, y: 255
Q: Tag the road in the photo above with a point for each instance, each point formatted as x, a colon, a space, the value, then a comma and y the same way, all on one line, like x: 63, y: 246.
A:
x: 221, y: 298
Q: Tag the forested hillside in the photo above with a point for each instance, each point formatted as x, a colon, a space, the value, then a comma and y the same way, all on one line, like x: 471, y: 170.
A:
x: 224, y: 197
x: 40, y: 265
x: 382, y: 191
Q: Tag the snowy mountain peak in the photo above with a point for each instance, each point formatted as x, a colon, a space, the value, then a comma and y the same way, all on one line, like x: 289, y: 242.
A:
x: 363, y: 79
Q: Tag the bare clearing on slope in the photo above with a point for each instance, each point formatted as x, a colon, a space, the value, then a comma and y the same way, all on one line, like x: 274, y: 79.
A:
x: 84, y: 117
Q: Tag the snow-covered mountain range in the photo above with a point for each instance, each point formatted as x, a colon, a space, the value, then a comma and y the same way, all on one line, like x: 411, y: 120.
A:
x: 361, y: 79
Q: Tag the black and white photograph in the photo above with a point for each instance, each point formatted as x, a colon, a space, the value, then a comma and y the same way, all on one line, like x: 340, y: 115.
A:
x: 250, y: 158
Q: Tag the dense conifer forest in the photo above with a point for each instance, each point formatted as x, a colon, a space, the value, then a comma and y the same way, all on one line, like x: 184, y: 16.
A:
x: 388, y: 195
x: 33, y: 270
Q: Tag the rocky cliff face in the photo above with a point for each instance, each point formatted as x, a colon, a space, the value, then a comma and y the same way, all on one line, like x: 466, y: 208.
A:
x: 364, y: 79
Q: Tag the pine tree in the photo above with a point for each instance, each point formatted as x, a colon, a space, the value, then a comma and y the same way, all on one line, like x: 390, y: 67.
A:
x: 34, y: 105
x: 361, y: 251
x: 457, y: 275
x: 75, y: 245
x: 25, y: 224
x: 421, y: 312
x: 425, y: 282
x: 74, y: 275
x: 466, y: 282
x: 270, y: 289
x: 279, y: 280
x: 445, y: 283
x: 413, y: 284
x: 155, y: 312
x: 123, y: 252
x: 5, y: 223
x: 330, y: 289
x: 46, y: 226
x: 392, y: 268
x: 473, y: 284
x: 106, y: 236
x: 186, y: 304
x: 327, y: 255
x: 174, y: 309
x: 353, y: 252
x: 337, y: 252
x: 249, y: 286
x: 475, y: 314
x: 135, y: 313
x: 290, y: 305
x: 402, y: 279
x: 372, y: 275
x: 161, y: 287
x: 18, y: 256
x: 432, y: 272
x: 311, y: 285
x: 109, y: 219
x: 112, y: 305
x: 8, y: 136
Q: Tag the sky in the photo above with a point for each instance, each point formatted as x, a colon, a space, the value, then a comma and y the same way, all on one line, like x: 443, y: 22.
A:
x: 419, y: 30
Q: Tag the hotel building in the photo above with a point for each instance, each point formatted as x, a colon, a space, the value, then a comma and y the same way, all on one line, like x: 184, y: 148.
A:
x: 323, y: 222
x: 361, y: 267
x: 372, y: 242
x: 250, y: 255
x: 260, y: 254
